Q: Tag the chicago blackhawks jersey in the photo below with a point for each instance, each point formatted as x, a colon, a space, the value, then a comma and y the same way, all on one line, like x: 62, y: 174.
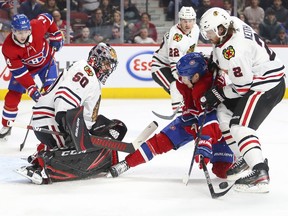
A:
x: 248, y: 61
x: 175, y: 44
x: 76, y: 87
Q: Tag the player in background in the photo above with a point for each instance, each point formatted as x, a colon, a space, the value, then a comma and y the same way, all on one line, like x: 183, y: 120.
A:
x: 181, y: 39
x: 27, y: 53
x: 194, y: 81
x: 56, y: 158
x: 257, y: 86
x: 6, y: 4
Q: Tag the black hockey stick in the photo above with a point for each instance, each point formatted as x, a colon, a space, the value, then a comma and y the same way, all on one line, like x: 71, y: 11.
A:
x: 171, y: 116
x: 214, y: 195
x: 100, y: 141
x: 25, y: 138
x: 186, y: 177
x: 46, y: 73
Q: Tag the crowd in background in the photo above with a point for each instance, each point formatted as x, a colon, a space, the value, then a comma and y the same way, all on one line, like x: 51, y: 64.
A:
x: 94, y: 21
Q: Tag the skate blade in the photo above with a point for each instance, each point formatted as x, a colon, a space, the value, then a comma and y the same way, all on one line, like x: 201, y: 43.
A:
x: 259, y: 188
x: 35, y: 178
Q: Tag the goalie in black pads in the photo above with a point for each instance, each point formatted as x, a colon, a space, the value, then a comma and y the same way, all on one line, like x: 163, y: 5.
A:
x: 77, y: 92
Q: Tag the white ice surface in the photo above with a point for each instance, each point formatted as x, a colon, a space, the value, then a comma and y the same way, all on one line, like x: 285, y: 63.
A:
x: 151, y: 189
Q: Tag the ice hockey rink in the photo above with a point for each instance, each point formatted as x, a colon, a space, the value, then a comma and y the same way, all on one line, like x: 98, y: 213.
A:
x: 153, y: 189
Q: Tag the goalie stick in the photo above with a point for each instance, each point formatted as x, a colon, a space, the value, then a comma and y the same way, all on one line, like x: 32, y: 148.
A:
x: 100, y: 141
x: 171, y: 116
x: 214, y: 195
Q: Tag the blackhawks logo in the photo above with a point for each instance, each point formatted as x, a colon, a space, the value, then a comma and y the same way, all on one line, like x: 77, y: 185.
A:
x: 88, y: 70
x: 229, y: 52
x: 177, y: 37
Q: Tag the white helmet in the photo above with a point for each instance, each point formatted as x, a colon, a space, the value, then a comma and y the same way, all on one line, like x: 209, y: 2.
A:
x: 212, y: 18
x: 187, y: 13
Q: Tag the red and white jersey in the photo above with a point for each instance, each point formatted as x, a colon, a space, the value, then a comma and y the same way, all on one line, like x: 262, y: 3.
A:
x: 22, y: 59
x: 76, y: 87
x: 248, y: 61
x: 175, y: 44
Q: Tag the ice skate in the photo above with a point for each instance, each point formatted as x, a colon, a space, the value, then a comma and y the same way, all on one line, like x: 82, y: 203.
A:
x: 36, y: 175
x: 118, y: 169
x: 237, y: 170
x: 255, y: 182
x: 5, y: 132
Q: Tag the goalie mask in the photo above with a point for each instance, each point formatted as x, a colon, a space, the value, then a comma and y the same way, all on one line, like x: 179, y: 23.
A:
x: 103, y: 59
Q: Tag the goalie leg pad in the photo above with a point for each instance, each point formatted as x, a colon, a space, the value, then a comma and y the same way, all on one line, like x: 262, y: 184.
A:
x: 65, y: 164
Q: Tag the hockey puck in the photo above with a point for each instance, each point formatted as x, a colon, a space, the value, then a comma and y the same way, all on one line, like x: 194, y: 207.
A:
x: 223, y: 185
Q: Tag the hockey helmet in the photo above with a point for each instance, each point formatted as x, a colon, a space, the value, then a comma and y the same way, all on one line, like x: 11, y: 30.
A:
x: 20, y: 22
x: 212, y: 19
x: 103, y: 59
x: 190, y: 64
x: 186, y: 13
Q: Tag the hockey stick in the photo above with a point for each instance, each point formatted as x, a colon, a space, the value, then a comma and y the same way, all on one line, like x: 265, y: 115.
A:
x: 47, y: 71
x: 187, y: 176
x: 171, y: 116
x: 100, y: 141
x: 214, y: 195
x: 26, y: 135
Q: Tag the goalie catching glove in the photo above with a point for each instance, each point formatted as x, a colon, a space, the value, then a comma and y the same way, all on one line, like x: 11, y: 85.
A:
x: 213, y: 97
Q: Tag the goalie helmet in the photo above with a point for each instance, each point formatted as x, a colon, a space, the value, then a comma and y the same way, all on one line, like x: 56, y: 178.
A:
x: 103, y: 59
x: 20, y: 22
x: 186, y: 13
x: 212, y: 19
x: 190, y: 64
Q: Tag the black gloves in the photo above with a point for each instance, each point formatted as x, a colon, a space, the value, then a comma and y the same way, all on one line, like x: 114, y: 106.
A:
x: 213, y: 97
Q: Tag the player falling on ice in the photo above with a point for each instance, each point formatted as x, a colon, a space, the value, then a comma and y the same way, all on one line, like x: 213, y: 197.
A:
x: 28, y: 53
x: 181, y: 39
x: 56, y: 158
x: 257, y: 86
x: 194, y: 80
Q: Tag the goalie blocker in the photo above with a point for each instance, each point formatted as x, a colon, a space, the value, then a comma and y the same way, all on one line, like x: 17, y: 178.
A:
x: 54, y: 165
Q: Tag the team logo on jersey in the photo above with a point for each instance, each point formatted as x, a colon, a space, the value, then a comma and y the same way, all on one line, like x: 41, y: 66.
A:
x: 191, y: 49
x: 88, y: 70
x: 229, y: 52
x: 177, y: 37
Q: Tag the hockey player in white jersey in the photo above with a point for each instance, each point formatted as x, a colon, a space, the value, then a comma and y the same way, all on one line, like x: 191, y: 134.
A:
x: 257, y: 86
x: 181, y: 39
x: 79, y: 86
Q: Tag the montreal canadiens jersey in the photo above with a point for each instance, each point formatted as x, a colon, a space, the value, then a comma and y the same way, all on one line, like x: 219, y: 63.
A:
x: 36, y: 53
x: 176, y: 44
x: 76, y: 87
x: 248, y: 62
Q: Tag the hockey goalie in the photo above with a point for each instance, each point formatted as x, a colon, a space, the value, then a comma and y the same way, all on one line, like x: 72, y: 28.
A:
x: 77, y: 91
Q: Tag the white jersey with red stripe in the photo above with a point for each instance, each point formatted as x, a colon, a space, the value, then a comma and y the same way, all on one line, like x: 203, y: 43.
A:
x: 175, y: 44
x: 248, y: 61
x: 76, y: 87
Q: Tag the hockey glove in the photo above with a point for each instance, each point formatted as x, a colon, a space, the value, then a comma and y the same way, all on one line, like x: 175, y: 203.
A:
x: 56, y: 40
x: 34, y: 93
x: 213, y: 97
x: 205, y: 150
